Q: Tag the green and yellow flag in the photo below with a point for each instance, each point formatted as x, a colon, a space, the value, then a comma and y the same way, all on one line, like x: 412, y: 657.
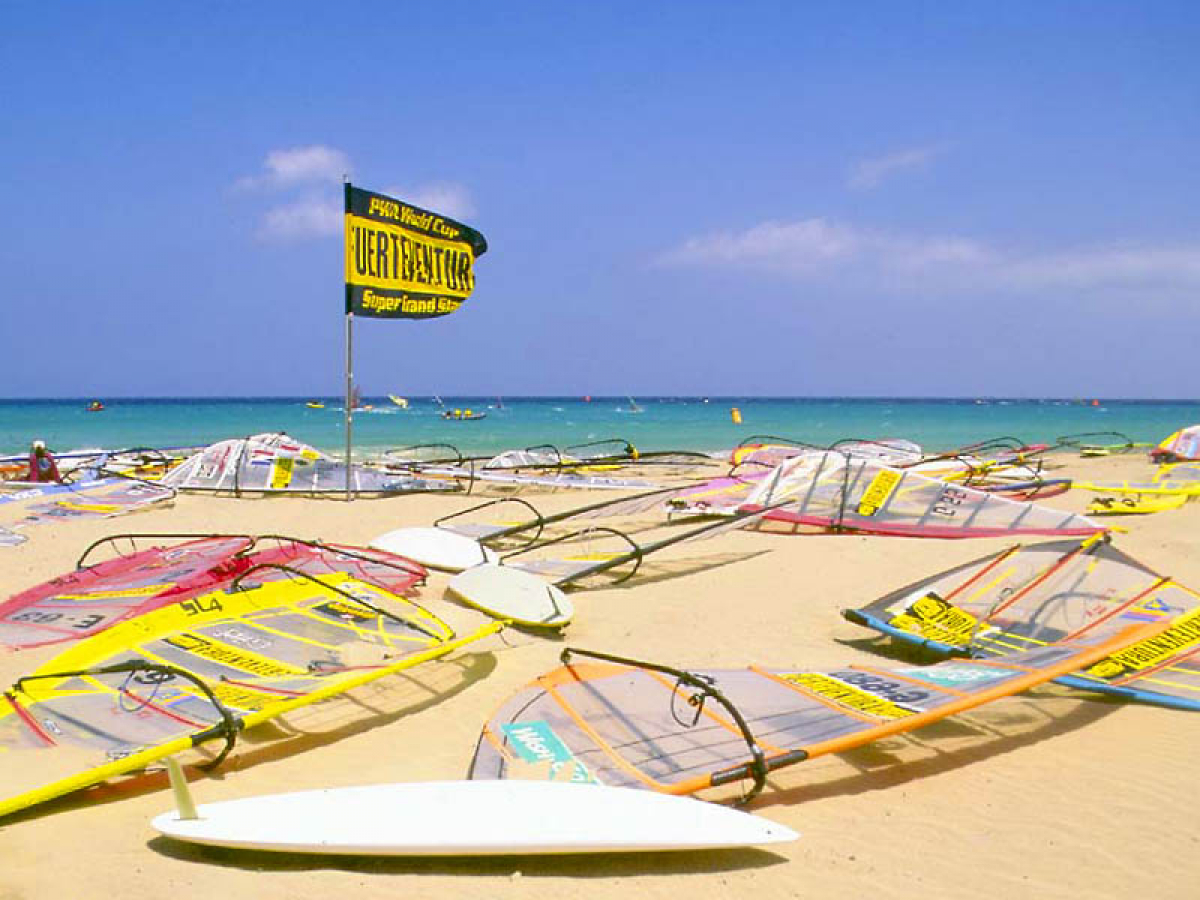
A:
x: 404, y: 262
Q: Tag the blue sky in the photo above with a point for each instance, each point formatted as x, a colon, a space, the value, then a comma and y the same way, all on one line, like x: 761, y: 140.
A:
x: 703, y: 198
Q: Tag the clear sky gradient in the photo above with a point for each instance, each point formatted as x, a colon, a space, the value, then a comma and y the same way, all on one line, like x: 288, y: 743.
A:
x: 939, y: 199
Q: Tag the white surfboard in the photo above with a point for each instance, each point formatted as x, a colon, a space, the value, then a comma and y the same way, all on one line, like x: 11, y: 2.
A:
x: 436, y: 548
x: 470, y: 818
x: 512, y: 594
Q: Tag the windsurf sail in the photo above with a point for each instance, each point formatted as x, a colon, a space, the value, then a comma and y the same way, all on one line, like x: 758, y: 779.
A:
x: 835, y: 492
x: 542, y: 456
x: 565, y: 480
x: 517, y: 523
x: 1041, y: 595
x: 628, y: 723
x: 1098, y: 443
x: 975, y: 470
x: 205, y: 669
x: 606, y: 452
x: 276, y: 463
x: 768, y: 450
x: 1135, y: 506
x: 543, y: 465
x: 418, y: 456
x: 717, y: 496
x: 897, y: 452
x: 1185, y: 486
x: 89, y: 498
x: 832, y: 491
x: 88, y: 600
x: 1178, y: 473
x: 145, y: 463
x: 1005, y: 448
x: 572, y: 559
x: 1179, y: 446
x: 603, y: 450
x: 1033, y: 489
x: 539, y: 466
x: 96, y: 597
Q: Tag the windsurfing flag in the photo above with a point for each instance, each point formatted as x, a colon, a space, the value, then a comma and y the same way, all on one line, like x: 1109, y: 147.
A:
x: 404, y: 262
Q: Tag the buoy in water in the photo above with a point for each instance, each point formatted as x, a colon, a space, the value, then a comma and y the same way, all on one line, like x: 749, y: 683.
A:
x: 736, y: 415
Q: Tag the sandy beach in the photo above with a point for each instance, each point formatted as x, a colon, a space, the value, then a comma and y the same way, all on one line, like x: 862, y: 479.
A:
x: 1051, y: 794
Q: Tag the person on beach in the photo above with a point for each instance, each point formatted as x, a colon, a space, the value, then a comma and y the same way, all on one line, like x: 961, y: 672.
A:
x: 42, y: 466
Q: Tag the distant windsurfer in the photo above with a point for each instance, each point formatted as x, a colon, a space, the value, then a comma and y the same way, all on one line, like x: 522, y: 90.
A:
x: 42, y: 466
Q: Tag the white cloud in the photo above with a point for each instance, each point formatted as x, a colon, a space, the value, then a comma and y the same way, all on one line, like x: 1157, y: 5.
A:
x: 298, y: 166
x: 448, y: 198
x: 868, y: 174
x: 802, y: 245
x: 312, y: 216
x: 1169, y: 266
x: 312, y: 176
x: 813, y: 249
x: 814, y: 245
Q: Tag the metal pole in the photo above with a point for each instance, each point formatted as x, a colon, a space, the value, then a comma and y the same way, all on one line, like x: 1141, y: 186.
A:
x: 349, y: 343
x: 349, y: 401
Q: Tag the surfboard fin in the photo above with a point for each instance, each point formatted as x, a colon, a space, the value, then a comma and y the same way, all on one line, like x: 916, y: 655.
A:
x: 179, y: 787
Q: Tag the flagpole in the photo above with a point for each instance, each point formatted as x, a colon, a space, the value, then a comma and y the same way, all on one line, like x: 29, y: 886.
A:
x: 349, y: 416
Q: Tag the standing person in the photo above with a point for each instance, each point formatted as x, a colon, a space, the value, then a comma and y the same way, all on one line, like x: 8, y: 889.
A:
x: 42, y: 466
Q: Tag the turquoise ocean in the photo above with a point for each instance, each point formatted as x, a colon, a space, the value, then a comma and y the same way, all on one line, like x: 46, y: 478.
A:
x: 664, y: 423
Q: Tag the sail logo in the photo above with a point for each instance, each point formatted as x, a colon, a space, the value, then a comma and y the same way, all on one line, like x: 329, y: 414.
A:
x: 955, y: 675
x: 872, y: 695
x: 536, y: 742
x: 281, y: 472
x: 878, y: 492
x: 230, y: 656
x: 1182, y: 634
x: 936, y: 619
x: 242, y: 698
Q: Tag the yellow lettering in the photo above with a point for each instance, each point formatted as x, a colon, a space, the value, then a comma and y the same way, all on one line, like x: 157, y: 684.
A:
x: 845, y: 695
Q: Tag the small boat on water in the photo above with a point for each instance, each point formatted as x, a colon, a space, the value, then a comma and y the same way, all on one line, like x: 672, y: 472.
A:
x: 95, y: 406
x: 462, y: 415
x: 315, y: 404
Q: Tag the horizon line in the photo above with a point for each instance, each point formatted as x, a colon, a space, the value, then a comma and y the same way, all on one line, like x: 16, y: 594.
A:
x: 85, y: 398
